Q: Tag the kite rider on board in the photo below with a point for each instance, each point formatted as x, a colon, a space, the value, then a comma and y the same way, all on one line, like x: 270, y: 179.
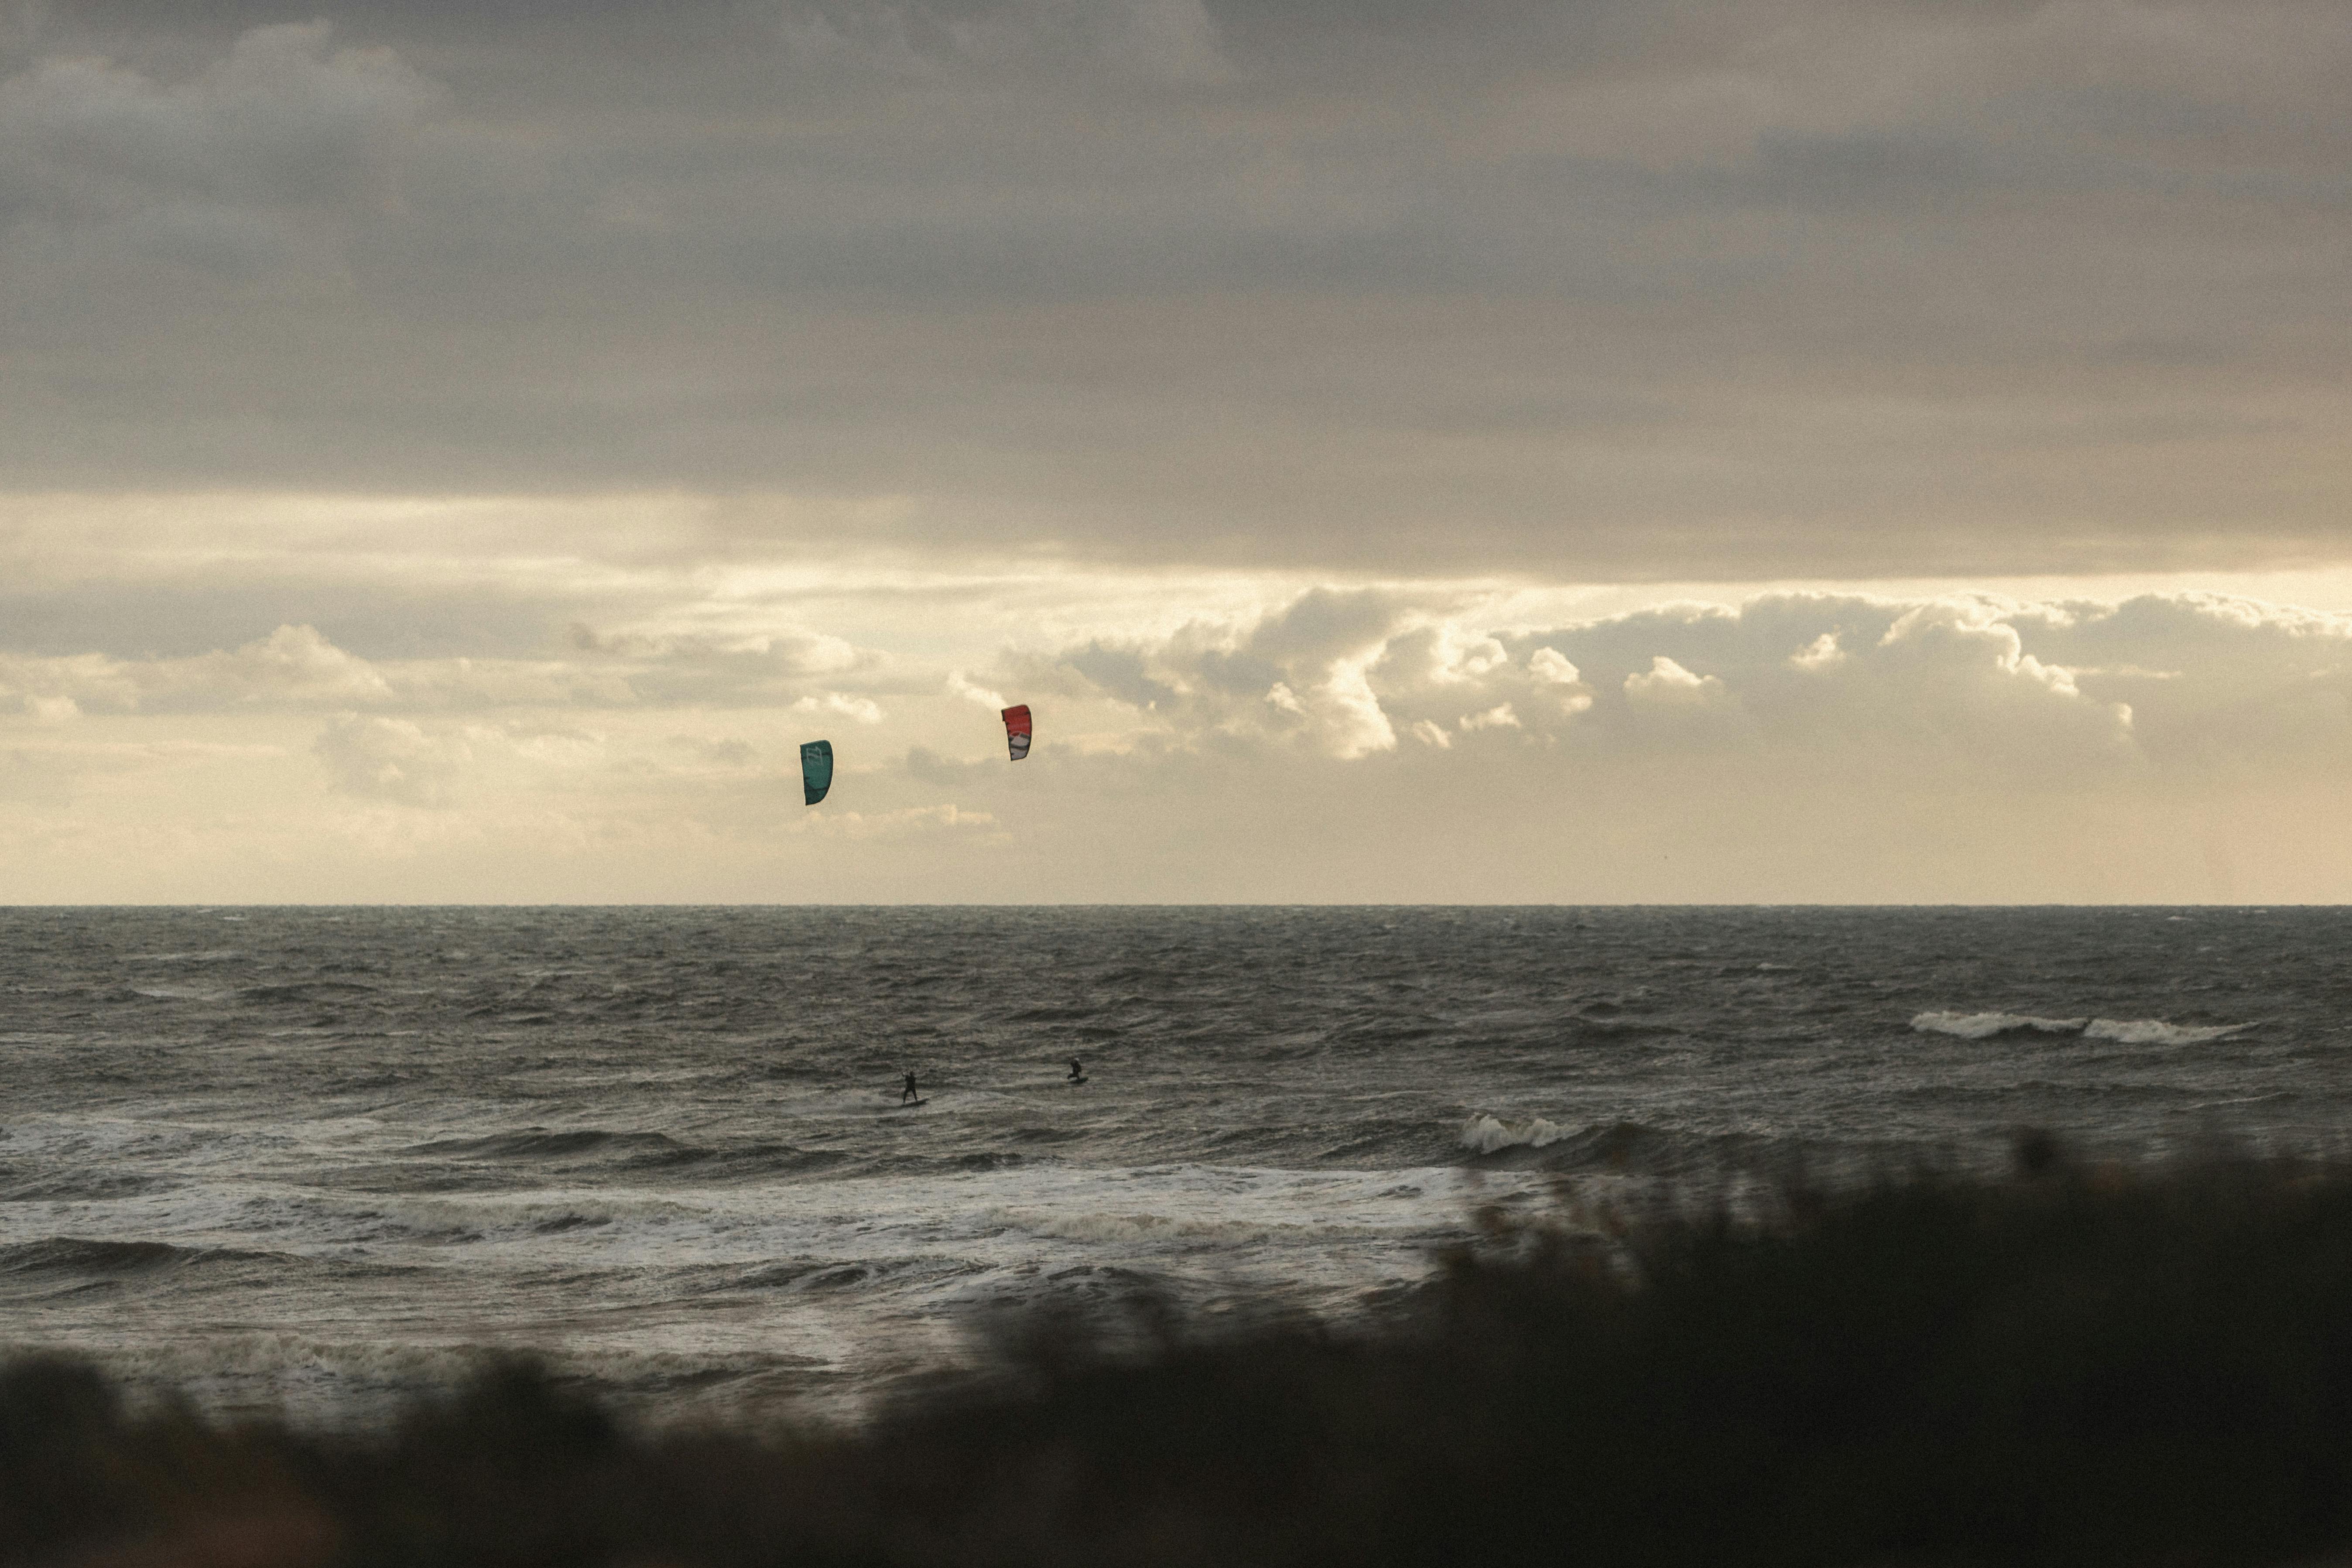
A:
x: 1076, y: 1072
x: 909, y: 1092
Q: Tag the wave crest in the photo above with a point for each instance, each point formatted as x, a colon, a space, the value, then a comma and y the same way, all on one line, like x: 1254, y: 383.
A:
x: 91, y: 1256
x: 2122, y: 1031
x: 1988, y: 1026
x: 1489, y: 1134
x: 2157, y: 1032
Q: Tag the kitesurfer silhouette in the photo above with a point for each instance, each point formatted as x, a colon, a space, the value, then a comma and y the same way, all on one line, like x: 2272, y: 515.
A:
x: 1076, y: 1072
x: 909, y: 1091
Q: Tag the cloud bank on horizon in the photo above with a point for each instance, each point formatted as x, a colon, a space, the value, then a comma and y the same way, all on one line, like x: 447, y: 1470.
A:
x: 1365, y: 743
x: 457, y: 451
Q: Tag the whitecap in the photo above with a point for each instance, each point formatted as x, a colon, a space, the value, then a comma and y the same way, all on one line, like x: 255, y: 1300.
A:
x: 1156, y: 1228
x: 1985, y: 1025
x: 1487, y: 1135
x: 2157, y: 1032
x: 2121, y: 1031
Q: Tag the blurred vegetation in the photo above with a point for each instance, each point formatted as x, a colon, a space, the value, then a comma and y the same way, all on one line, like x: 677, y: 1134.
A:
x: 2069, y: 1366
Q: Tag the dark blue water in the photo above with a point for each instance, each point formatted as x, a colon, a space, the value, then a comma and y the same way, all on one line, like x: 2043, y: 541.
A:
x: 313, y: 1157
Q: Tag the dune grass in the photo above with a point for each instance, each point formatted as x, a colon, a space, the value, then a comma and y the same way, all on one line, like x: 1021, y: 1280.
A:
x: 2067, y: 1367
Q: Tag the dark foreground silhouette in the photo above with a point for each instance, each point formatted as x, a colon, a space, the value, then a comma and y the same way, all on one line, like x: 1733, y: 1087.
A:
x: 2068, y: 1367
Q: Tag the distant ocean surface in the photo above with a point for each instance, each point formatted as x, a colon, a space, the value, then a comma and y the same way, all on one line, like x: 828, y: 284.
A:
x: 311, y: 1159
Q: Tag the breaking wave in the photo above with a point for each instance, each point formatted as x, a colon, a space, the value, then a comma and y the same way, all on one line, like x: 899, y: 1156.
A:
x: 1490, y: 1134
x: 2123, y: 1031
x: 1986, y: 1026
x: 2157, y: 1032
x: 539, y: 1143
x: 1150, y: 1227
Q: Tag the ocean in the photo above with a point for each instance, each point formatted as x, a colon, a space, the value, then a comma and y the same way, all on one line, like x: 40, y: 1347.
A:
x: 314, y: 1160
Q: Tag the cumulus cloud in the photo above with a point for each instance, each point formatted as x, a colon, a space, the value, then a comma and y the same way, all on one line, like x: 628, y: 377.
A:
x: 294, y: 667
x: 963, y: 688
x: 1301, y: 675
x: 1498, y: 717
x: 1551, y: 669
x: 394, y: 760
x: 293, y: 663
x: 1405, y: 740
x: 1336, y: 673
x: 1668, y: 684
x: 857, y: 710
x: 1822, y: 653
x: 1969, y: 681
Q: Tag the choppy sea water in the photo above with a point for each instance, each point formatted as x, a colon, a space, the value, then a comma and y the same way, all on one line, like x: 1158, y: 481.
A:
x: 312, y: 1158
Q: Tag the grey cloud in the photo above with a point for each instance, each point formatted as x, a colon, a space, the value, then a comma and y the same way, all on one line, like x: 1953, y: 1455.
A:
x: 1821, y: 287
x: 796, y: 653
x: 220, y: 172
x: 390, y: 621
x: 926, y: 765
x: 1323, y: 625
x: 1173, y: 40
x: 1119, y: 672
x: 727, y: 753
x: 295, y: 669
x: 804, y: 668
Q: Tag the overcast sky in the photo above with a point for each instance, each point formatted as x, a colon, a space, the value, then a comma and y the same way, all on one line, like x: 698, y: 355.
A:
x: 1597, y: 450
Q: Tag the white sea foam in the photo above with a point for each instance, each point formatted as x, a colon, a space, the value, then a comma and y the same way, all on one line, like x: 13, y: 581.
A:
x: 327, y: 1379
x: 1487, y: 1135
x: 2157, y: 1032
x: 1206, y: 1205
x: 1152, y: 1227
x: 2122, y: 1031
x: 1985, y: 1025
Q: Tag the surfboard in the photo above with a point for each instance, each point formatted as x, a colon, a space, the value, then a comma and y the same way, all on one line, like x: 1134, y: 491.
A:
x: 910, y: 1104
x: 1074, y: 1081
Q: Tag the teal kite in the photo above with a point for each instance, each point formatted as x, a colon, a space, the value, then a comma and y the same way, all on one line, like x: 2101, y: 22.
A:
x: 816, y: 768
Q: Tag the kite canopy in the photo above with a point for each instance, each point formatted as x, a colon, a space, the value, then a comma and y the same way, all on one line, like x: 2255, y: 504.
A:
x: 816, y: 768
x: 1016, y: 730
